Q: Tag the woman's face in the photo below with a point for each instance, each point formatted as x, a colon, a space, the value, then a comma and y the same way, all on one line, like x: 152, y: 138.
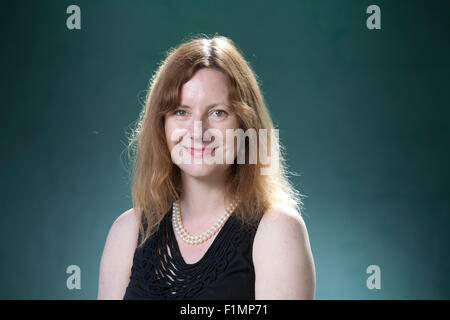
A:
x: 204, y: 109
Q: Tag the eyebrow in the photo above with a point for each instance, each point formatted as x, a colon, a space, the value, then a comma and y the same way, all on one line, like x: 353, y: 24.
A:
x: 207, y: 108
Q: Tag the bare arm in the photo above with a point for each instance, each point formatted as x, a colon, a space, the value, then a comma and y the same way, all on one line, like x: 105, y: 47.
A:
x: 117, y: 257
x: 284, y: 265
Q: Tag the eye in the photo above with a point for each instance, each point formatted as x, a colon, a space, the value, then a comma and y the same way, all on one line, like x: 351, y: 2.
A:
x: 180, y: 112
x: 219, y: 113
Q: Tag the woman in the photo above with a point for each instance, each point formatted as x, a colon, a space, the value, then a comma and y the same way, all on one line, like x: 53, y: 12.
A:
x: 207, y: 229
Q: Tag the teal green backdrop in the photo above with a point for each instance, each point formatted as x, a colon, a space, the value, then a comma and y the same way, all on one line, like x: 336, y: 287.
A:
x: 363, y: 114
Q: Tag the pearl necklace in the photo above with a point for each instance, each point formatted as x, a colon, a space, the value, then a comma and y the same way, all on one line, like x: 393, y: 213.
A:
x: 177, y: 222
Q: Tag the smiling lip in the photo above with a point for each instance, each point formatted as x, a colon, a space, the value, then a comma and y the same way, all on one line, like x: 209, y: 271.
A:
x: 202, y: 152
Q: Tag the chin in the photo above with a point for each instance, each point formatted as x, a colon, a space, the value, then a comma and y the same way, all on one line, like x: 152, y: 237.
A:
x: 199, y: 171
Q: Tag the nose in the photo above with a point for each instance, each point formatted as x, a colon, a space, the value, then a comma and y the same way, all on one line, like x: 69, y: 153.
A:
x: 196, y: 134
x: 196, y: 129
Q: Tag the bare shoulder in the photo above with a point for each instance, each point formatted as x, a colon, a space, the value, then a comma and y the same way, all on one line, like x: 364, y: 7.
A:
x: 123, y: 233
x: 283, y: 261
x: 127, y: 220
x: 117, y: 257
x: 125, y: 228
x: 281, y: 223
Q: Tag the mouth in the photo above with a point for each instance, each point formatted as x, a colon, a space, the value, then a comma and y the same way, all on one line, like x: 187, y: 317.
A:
x: 200, y: 152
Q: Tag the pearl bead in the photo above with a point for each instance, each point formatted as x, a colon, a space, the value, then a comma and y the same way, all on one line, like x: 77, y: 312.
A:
x: 202, y: 237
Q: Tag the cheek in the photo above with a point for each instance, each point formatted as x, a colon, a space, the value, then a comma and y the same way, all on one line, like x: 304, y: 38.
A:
x: 233, y: 122
x: 174, y: 130
x: 230, y: 125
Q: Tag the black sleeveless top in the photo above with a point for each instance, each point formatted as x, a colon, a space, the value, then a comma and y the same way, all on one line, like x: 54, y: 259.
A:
x: 224, y: 272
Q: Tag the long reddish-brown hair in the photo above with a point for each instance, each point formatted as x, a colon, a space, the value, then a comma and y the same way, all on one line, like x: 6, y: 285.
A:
x: 156, y: 181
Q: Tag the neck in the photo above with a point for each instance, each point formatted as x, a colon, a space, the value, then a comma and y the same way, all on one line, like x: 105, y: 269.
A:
x: 203, y: 198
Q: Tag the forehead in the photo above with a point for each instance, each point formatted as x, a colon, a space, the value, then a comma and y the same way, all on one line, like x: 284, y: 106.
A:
x: 206, y: 86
